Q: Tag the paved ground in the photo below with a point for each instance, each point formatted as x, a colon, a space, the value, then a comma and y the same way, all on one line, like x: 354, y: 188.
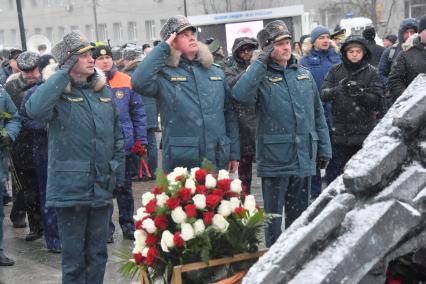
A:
x: 35, y: 265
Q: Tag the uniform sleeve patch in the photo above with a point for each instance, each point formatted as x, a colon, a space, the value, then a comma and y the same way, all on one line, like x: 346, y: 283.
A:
x: 303, y: 77
x: 73, y: 100
x: 105, y: 100
x: 275, y: 79
x: 216, y: 78
x: 179, y: 79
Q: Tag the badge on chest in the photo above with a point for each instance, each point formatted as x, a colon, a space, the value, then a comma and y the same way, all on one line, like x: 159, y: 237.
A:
x: 119, y: 94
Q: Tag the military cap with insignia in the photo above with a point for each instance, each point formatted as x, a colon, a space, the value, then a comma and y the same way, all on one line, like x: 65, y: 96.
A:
x: 176, y: 24
x: 273, y: 32
x: 101, y: 50
x: 27, y: 61
x: 73, y: 43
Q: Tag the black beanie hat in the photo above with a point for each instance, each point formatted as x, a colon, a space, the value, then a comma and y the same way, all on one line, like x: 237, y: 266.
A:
x: 45, y: 60
x: 101, y: 50
x: 422, y: 24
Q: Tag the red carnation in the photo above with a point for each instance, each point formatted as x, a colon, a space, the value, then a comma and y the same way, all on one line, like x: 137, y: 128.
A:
x: 179, y: 178
x: 218, y: 192
x: 157, y: 190
x: 224, y: 184
x: 207, y: 217
x: 200, y: 175
x: 190, y: 210
x: 172, y: 203
x: 240, y: 211
x: 200, y: 189
x: 213, y: 200
x: 138, y: 225
x: 151, y: 255
x: 151, y: 240
x: 177, y: 240
x: 138, y: 257
x: 150, y: 207
x: 160, y: 222
x: 185, y: 194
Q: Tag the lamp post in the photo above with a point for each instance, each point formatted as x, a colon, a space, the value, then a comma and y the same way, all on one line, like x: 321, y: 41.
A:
x: 95, y: 16
x: 21, y: 25
x: 184, y: 8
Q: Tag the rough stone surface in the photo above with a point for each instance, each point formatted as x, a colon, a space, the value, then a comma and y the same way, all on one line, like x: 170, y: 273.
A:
x: 382, y: 195
x: 420, y: 201
x: 295, y: 248
x: 373, y: 165
x: 406, y: 186
x: 354, y: 253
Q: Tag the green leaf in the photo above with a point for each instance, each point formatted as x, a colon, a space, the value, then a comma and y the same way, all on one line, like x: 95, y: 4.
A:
x: 207, y: 165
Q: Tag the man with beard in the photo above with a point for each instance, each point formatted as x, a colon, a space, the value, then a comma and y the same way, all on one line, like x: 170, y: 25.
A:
x: 242, y: 53
x: 292, y: 135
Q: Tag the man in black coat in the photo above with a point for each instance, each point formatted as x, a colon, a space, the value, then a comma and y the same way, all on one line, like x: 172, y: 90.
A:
x: 369, y: 34
x: 409, y: 63
x: 26, y: 195
x: 242, y: 53
x: 356, y: 91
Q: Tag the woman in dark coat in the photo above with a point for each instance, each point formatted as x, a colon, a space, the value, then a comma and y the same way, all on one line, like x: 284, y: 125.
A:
x: 356, y: 91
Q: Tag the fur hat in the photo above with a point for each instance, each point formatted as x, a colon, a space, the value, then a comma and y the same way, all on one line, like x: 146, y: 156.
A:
x: 273, y: 32
x: 117, y: 52
x: 391, y: 38
x: 27, y: 61
x: 14, y: 53
x: 369, y: 33
x: 317, y: 32
x: 101, y: 50
x: 176, y: 24
x: 72, y: 43
x: 131, y: 53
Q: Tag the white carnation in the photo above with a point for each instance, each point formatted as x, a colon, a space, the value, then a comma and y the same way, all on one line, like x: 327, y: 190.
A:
x: 236, y: 186
x: 199, y: 201
x: 140, y: 214
x: 189, y: 183
x: 166, y: 241
x: 210, y: 181
x: 145, y: 252
x: 178, y: 215
x: 223, y: 174
x: 234, y: 203
x: 149, y: 225
x: 224, y: 208
x: 220, y: 223
x: 250, y: 204
x: 161, y: 199
x: 193, y: 170
x: 199, y: 227
x: 146, y: 197
x: 180, y: 171
x: 187, y: 232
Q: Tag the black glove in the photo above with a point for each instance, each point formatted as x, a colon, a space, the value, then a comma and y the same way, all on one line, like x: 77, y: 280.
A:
x: 265, y: 54
x: 5, y: 141
x: 69, y: 63
x: 353, y: 88
x: 322, y: 162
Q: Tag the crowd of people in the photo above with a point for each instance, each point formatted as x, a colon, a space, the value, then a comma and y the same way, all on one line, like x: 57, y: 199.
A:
x: 79, y: 124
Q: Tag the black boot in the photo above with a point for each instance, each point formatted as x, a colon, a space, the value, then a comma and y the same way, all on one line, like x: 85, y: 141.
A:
x: 5, y: 261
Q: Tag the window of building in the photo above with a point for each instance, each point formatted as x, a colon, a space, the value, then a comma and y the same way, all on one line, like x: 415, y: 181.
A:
x: 49, y: 34
x: 131, y: 31
x: 11, y: 4
x: 61, y: 32
x: 37, y: 31
x: 150, y: 29
x: 33, y: 3
x: 415, y: 8
x: 89, y: 32
x: 74, y: 28
x: 103, y: 32
x: 14, y: 36
x: 2, y: 38
x: 117, y: 30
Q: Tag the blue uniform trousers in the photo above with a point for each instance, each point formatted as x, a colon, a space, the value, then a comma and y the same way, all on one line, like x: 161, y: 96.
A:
x: 290, y: 193
x: 83, y: 231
